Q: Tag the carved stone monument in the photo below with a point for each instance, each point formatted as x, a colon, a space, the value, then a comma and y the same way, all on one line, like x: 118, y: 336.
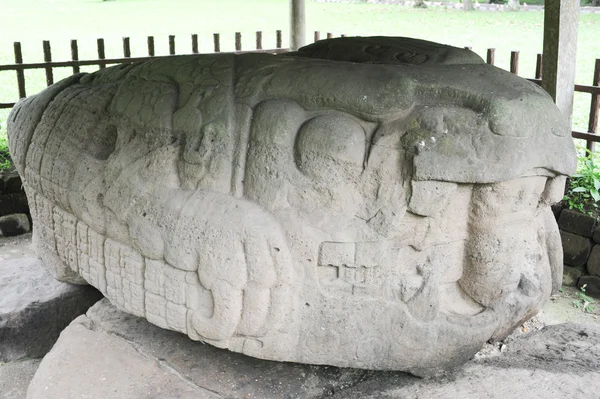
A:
x: 379, y: 203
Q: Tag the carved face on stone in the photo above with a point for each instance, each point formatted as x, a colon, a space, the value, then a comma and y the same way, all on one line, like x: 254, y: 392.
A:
x: 384, y: 216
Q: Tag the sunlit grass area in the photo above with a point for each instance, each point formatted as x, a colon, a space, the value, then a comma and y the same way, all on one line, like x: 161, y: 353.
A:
x: 31, y: 21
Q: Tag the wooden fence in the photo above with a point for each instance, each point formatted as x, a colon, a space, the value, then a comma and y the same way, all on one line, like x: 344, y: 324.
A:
x: 48, y: 65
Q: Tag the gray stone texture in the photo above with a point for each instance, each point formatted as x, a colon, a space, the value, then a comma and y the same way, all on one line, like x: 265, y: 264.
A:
x: 596, y: 235
x: 108, y: 353
x: 16, y: 376
x: 556, y: 210
x: 576, y: 249
x: 35, y: 308
x: 262, y: 204
x: 577, y: 223
x: 559, y: 361
x: 593, y: 263
x: 15, y: 224
x: 592, y: 285
x: 570, y: 275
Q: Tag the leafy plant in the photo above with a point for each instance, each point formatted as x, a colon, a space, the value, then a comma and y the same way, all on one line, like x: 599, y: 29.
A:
x: 583, y: 189
x: 584, y: 302
x: 5, y: 160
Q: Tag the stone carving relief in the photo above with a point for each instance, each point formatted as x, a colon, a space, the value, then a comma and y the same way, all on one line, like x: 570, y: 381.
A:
x: 375, y: 214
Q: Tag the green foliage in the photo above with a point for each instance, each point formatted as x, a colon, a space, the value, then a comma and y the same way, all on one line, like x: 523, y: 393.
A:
x: 583, y: 189
x: 5, y: 160
x: 584, y: 302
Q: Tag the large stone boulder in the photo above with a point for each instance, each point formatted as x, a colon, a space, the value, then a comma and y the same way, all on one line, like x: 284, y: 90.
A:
x: 390, y: 214
x: 35, y: 308
x: 108, y: 353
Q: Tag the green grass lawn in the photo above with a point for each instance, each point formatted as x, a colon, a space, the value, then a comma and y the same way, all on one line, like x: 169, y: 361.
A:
x: 31, y: 21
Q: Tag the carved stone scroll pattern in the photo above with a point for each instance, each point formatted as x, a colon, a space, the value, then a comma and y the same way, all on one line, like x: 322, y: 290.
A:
x: 148, y: 288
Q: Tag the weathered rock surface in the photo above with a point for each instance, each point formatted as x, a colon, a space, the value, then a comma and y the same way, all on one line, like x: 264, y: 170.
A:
x: 108, y: 353
x: 109, y: 350
x: 577, y: 223
x: 593, y: 262
x: 35, y: 308
x: 596, y: 235
x: 576, y: 249
x: 260, y: 203
x: 571, y: 275
x: 15, y: 224
x: 558, y: 361
x: 592, y: 285
x: 16, y: 376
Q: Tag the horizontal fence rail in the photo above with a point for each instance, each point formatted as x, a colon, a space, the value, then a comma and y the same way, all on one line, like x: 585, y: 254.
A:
x: 75, y: 63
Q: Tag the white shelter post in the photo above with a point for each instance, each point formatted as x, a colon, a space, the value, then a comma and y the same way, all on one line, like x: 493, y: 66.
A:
x: 560, y: 52
x: 298, y: 24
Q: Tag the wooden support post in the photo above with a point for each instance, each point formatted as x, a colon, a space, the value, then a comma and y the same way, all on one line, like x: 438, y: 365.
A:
x: 217, y: 42
x: 594, y: 107
x: 151, y: 46
x: 514, y: 62
x: 101, y: 54
x: 238, y: 41
x: 20, y: 71
x: 298, y: 24
x: 126, y: 47
x: 560, y: 51
x: 47, y: 60
x: 195, y: 43
x: 171, y: 44
x: 491, y: 55
x: 75, y: 56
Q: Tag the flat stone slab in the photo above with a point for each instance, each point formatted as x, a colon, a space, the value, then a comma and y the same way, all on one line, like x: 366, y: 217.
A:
x: 108, y: 353
x: 16, y: 376
x: 35, y: 308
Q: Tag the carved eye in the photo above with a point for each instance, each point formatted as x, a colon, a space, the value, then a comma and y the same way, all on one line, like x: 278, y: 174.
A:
x: 327, y: 143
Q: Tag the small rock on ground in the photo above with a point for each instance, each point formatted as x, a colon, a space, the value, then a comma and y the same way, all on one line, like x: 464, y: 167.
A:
x: 15, y: 224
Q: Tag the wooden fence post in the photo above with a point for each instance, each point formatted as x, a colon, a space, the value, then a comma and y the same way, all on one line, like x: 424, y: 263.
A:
x: 595, y: 103
x: 491, y: 56
x: 48, y: 58
x: 238, y: 41
x: 75, y: 56
x: 101, y: 54
x: 126, y: 48
x: 514, y: 62
x: 259, y: 40
x: 171, y: 44
x: 539, y: 66
x: 151, y: 46
x: 217, y: 42
x: 20, y: 72
x: 195, y: 43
